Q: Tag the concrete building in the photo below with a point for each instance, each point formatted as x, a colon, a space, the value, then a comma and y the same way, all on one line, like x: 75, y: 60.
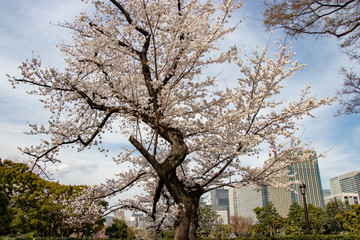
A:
x: 220, y: 197
x: 346, y: 183
x: 222, y: 211
x: 220, y: 203
x: 347, y: 198
x: 243, y: 200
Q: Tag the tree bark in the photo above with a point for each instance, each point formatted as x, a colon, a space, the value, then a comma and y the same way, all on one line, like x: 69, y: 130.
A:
x: 187, y: 219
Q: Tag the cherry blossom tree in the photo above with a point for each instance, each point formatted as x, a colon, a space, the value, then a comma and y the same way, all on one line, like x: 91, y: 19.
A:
x: 138, y: 68
x: 330, y: 18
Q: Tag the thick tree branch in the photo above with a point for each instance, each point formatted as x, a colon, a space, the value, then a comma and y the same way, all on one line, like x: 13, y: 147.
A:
x: 150, y: 158
x: 128, y: 17
x: 158, y: 190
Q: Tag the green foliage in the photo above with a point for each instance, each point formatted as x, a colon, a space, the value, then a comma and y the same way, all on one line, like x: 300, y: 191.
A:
x: 118, y: 229
x: 316, y: 218
x: 305, y: 237
x: 295, y: 220
x: 269, y: 220
x: 220, y: 231
x: 168, y: 234
x: 5, y: 214
x: 35, y: 203
x: 333, y: 208
x: 350, y: 220
x: 208, y: 220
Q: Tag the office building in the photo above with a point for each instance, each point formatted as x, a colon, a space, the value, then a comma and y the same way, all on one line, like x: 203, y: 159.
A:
x: 220, y: 203
x: 347, y: 198
x: 346, y: 183
x: 307, y: 173
x: 243, y: 200
x: 222, y: 211
x: 220, y: 197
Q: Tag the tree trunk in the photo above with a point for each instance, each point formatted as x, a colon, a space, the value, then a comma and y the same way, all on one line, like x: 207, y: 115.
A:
x: 187, y: 219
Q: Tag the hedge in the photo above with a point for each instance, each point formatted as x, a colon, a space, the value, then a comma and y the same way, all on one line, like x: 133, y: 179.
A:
x: 288, y: 237
x: 296, y: 237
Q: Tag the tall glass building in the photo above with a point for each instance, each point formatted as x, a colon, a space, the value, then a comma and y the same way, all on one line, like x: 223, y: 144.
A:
x: 309, y: 174
x: 220, y: 197
x: 243, y: 200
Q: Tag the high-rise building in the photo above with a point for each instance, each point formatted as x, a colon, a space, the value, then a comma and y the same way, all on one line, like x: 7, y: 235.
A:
x: 220, y: 197
x: 307, y: 173
x: 244, y: 199
x: 223, y: 212
x: 346, y: 183
x: 220, y: 203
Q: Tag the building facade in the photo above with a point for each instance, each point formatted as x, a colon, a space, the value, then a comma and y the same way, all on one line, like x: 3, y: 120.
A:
x: 220, y: 197
x: 223, y: 212
x: 347, y: 198
x: 220, y: 203
x: 307, y: 173
x: 346, y: 183
x: 244, y: 199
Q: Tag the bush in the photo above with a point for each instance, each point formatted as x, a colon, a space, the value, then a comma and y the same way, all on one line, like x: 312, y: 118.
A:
x: 118, y: 229
x: 295, y: 237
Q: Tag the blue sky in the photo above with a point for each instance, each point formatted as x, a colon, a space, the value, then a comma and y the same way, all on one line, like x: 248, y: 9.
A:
x: 27, y: 28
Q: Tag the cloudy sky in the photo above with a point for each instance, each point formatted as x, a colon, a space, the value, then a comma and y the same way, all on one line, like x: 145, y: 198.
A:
x: 28, y: 28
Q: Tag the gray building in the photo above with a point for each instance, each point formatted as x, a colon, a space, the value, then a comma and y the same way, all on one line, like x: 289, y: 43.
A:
x: 347, y: 198
x: 220, y: 197
x: 346, y: 183
x: 220, y: 203
x: 243, y: 200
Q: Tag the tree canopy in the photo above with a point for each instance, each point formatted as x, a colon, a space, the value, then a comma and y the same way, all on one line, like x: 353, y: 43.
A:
x: 118, y: 229
x: 138, y: 68
x: 269, y: 220
x: 41, y: 207
x: 324, y: 18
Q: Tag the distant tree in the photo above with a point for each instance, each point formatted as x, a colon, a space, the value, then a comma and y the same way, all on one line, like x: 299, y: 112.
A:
x: 137, y: 68
x: 118, y: 229
x: 324, y: 17
x: 131, y: 234
x: 350, y: 220
x: 220, y: 231
x: 208, y: 220
x: 316, y: 219
x: 41, y: 206
x: 333, y: 208
x: 258, y: 230
x: 240, y: 226
x: 295, y: 219
x: 5, y: 214
x: 269, y: 219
